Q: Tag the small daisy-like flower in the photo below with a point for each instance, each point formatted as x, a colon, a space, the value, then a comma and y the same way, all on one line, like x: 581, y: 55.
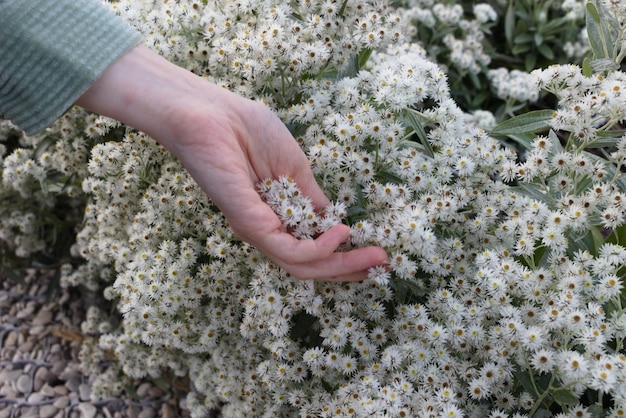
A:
x: 543, y: 360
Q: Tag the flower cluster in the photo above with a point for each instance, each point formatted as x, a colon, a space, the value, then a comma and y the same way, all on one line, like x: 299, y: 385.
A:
x: 296, y: 210
x: 587, y: 105
x: 485, y: 284
x: 462, y: 39
x: 505, y: 283
x: 512, y: 86
x: 259, y: 46
x: 40, y: 188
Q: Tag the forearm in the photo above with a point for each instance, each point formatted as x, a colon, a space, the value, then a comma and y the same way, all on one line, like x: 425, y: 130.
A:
x: 149, y: 93
x: 51, y: 52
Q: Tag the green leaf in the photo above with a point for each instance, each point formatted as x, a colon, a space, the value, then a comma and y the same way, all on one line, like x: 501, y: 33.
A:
x: 342, y: 9
x: 418, y: 128
x: 530, y: 62
x: 592, y: 12
x: 363, y: 57
x: 524, y: 38
x: 42, y: 147
x: 605, y: 139
x: 386, y: 177
x: 598, y: 32
x: 596, y: 410
x: 534, y: 121
x: 406, y: 290
x: 618, y: 236
x: 554, y: 27
x: 161, y: 384
x: 591, y: 242
x: 564, y: 397
x: 520, y: 49
x: 525, y: 380
x: 520, y: 25
x: 509, y: 23
x: 604, y: 64
x: 587, y: 69
x: 531, y: 190
x: 356, y: 213
x: 524, y: 140
x: 539, y: 254
x: 328, y: 387
x: 543, y: 413
x: 131, y: 392
x: 546, y: 51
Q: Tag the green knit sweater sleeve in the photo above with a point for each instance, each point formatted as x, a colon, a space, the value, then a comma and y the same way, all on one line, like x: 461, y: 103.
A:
x: 51, y: 52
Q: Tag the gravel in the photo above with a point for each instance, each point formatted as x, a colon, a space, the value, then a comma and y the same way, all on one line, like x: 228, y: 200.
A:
x: 40, y: 340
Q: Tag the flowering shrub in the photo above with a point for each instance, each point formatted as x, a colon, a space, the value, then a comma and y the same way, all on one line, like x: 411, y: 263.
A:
x: 42, y: 201
x: 504, y: 295
x: 478, y: 45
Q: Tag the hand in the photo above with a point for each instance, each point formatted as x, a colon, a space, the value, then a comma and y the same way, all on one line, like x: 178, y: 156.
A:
x: 228, y: 144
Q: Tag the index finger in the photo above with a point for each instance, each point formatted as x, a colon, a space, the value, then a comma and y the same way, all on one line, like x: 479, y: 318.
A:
x: 318, y: 258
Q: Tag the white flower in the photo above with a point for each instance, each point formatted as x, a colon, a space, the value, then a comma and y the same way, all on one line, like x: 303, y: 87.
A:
x: 543, y: 360
x: 484, y: 12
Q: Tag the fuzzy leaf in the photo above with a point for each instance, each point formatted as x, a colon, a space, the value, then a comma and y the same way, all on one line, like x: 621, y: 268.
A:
x: 565, y: 397
x: 534, y: 121
x: 598, y: 32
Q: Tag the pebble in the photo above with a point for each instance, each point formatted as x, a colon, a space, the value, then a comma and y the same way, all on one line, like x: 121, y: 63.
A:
x: 42, y: 376
x: 11, y: 339
x: 26, y: 312
x: 36, y: 397
x: 167, y: 411
x: 147, y: 413
x: 61, y: 402
x: 7, y: 352
x: 60, y: 390
x: 47, y: 391
x: 143, y: 389
x: 5, y: 390
x: 87, y: 410
x: 48, y: 411
x: 39, y: 365
x: 156, y: 392
x: 73, y: 384
x: 58, y: 367
x: 24, y: 383
x: 36, y: 330
x: 10, y: 393
x: 73, y: 397
x: 9, y: 375
x: 44, y: 316
x: 26, y: 347
x: 29, y: 412
x: 84, y: 392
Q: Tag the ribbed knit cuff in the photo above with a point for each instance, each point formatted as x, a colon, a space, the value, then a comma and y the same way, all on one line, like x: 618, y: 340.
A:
x: 51, y: 52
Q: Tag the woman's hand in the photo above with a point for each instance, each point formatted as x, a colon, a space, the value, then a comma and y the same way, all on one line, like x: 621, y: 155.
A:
x: 228, y: 144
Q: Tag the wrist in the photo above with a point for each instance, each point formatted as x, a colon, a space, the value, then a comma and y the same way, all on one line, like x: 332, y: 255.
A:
x: 145, y: 91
